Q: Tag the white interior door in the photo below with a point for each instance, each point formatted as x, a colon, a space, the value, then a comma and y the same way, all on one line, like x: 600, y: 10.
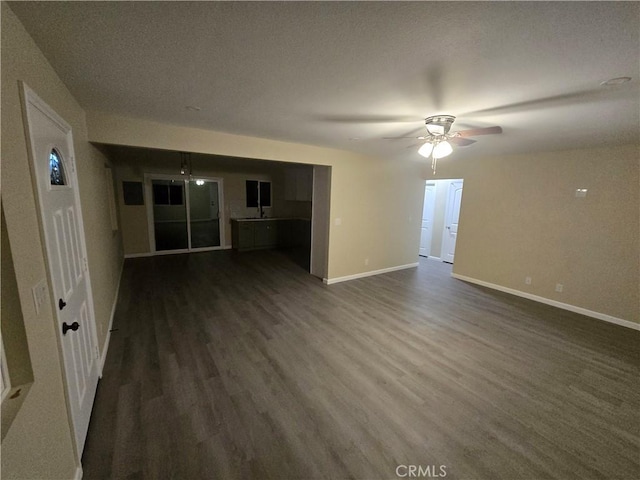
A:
x: 53, y: 166
x: 428, y: 214
x: 451, y: 216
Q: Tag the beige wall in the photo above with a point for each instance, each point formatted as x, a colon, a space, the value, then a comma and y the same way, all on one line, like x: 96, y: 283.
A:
x: 14, y: 337
x: 377, y: 202
x: 520, y: 217
x: 39, y: 442
x: 320, y: 220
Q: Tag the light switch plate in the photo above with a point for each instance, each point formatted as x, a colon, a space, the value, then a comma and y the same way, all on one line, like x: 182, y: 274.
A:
x: 39, y: 292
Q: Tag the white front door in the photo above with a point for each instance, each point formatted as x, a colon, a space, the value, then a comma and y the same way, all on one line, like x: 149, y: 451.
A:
x: 451, y: 216
x: 428, y: 212
x: 53, y: 166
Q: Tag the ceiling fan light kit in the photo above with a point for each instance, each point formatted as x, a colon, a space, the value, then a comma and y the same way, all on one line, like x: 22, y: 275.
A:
x: 426, y: 149
x: 437, y: 145
x: 442, y: 149
x: 437, y: 141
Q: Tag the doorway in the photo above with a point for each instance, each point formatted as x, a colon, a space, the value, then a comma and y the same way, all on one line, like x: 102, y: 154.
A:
x: 440, y: 216
x: 186, y: 213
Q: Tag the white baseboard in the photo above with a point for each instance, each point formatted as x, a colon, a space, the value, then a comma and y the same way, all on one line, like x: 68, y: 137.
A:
x: 107, y: 340
x: 78, y: 475
x: 330, y: 281
x: 138, y: 255
x: 553, y: 303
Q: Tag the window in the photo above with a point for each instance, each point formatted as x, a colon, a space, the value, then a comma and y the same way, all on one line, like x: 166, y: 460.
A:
x: 56, y: 168
x: 258, y: 193
x: 167, y: 194
x: 252, y: 193
x: 265, y: 193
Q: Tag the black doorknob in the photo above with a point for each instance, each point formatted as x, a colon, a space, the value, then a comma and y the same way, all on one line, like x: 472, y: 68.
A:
x: 61, y: 304
x: 74, y: 326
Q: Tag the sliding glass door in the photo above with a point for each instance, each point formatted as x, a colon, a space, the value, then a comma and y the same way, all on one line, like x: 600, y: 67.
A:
x: 169, y: 215
x: 204, y: 213
x: 186, y: 213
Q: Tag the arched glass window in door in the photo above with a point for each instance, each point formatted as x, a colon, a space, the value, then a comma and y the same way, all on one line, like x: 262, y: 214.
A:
x: 56, y: 168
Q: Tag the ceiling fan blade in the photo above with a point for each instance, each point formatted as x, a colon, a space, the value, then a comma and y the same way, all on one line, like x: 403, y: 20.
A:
x: 462, y: 142
x: 368, y: 118
x: 584, y: 96
x: 435, y: 82
x: 480, y: 131
x: 401, y: 138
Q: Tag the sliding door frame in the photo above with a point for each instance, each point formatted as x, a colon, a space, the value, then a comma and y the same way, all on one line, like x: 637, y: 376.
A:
x: 148, y: 182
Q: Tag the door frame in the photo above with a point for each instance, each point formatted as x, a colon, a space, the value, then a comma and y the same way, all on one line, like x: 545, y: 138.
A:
x: 29, y: 97
x: 149, y: 177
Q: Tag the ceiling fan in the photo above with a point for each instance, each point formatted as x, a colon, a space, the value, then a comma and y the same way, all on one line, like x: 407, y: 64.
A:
x: 439, y: 139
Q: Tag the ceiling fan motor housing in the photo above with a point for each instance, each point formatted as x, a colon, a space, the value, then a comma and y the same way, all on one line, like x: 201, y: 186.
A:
x: 439, y: 124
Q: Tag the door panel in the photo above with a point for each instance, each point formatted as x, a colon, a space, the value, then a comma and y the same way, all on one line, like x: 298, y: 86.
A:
x: 452, y: 215
x: 204, y: 220
x: 169, y: 215
x: 52, y: 162
x: 428, y: 214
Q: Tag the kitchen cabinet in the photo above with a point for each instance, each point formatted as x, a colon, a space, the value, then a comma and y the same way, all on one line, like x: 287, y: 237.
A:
x: 265, y: 233
x: 299, y: 184
x: 284, y: 233
x: 254, y: 234
x: 243, y: 235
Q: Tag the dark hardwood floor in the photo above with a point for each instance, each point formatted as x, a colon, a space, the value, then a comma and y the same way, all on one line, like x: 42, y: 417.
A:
x: 239, y: 366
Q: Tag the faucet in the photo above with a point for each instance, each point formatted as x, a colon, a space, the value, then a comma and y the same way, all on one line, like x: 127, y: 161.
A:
x: 261, y: 211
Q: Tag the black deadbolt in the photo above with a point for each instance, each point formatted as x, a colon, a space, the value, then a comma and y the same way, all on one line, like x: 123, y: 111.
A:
x: 74, y: 326
x: 61, y: 304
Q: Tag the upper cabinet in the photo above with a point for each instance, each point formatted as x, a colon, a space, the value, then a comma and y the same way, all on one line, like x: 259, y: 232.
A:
x: 298, y: 184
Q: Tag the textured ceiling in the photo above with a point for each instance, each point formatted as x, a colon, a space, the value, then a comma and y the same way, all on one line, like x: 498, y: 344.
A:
x: 347, y: 74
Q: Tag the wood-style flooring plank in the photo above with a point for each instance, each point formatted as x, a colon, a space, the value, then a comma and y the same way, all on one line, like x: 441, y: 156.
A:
x: 239, y: 366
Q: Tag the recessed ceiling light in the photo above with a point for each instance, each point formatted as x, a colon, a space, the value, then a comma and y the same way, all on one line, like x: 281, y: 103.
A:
x: 354, y: 139
x: 193, y: 108
x: 616, y: 81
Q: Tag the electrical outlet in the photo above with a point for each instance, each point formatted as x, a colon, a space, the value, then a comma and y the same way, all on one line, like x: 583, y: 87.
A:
x: 39, y: 292
x: 527, y: 280
x: 559, y: 287
x: 338, y: 222
x: 366, y: 261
